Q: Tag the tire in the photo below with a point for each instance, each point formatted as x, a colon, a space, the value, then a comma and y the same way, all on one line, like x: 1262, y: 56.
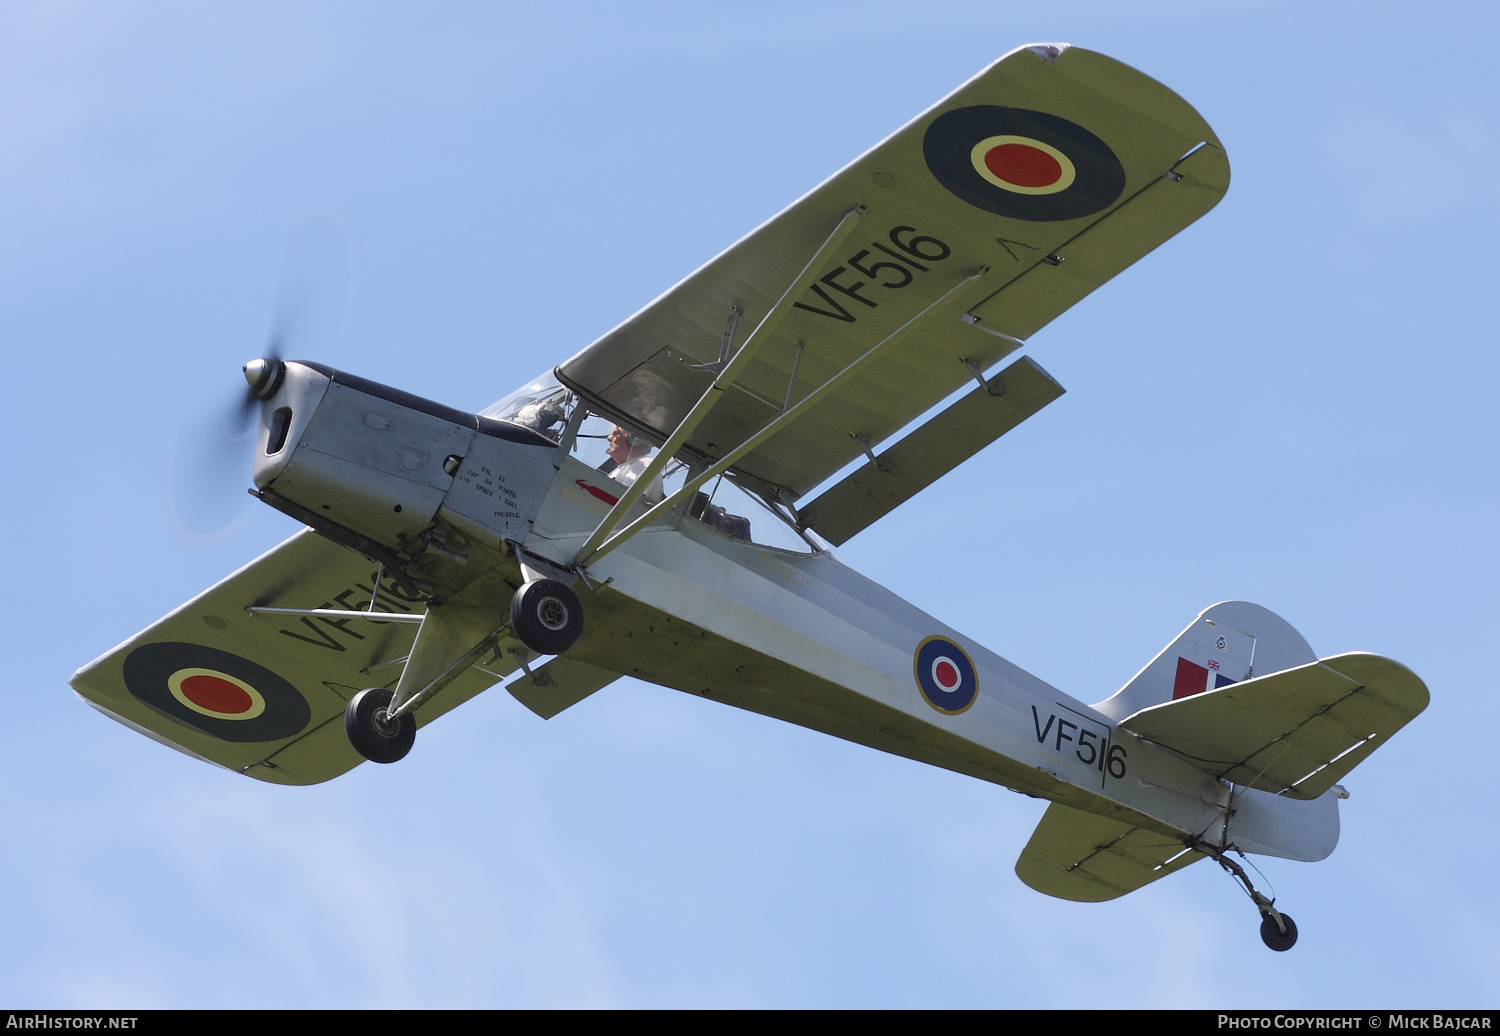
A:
x: 1274, y: 937
x: 546, y: 616
x: 370, y: 733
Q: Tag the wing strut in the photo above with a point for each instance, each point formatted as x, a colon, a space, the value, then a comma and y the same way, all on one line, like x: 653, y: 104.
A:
x: 450, y: 640
x: 715, y: 391
x: 338, y: 613
x: 957, y: 293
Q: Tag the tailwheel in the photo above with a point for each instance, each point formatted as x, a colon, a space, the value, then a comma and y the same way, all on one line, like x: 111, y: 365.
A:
x: 546, y: 616
x: 1278, y: 931
x: 372, y: 732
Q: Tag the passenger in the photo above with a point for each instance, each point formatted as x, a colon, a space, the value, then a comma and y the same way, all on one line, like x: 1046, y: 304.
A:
x: 715, y: 517
x: 631, y: 455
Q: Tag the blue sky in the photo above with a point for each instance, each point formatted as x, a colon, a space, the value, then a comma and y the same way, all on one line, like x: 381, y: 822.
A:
x: 1291, y: 403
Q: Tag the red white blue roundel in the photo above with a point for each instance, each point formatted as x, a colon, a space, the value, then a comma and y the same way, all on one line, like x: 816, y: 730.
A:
x: 1023, y: 164
x: 945, y: 674
x: 223, y: 695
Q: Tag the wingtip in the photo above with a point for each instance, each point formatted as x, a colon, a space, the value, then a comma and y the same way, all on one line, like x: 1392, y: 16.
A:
x: 1048, y: 52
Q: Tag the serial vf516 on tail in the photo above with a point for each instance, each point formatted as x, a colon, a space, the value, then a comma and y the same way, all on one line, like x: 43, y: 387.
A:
x: 647, y: 508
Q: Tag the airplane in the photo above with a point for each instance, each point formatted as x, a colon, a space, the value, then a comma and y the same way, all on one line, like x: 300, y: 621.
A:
x: 659, y: 506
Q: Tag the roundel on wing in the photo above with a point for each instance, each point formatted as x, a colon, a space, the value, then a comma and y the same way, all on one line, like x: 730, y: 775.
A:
x: 1023, y: 164
x: 945, y: 675
x: 223, y: 695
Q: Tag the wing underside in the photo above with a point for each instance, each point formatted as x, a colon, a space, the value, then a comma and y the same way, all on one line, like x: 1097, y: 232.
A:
x: 265, y: 694
x: 924, y: 262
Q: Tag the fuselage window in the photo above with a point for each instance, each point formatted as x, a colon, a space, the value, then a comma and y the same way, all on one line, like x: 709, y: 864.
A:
x: 721, y: 505
x: 542, y: 405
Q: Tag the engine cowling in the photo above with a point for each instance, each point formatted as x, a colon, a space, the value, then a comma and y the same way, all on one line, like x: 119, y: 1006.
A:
x: 343, y: 453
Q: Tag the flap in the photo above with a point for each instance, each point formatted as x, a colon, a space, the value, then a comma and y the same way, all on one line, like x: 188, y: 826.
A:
x: 560, y: 684
x: 1296, y: 732
x: 927, y: 454
x: 1088, y: 858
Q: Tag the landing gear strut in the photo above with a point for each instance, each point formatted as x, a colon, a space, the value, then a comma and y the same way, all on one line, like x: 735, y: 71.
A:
x: 372, y: 732
x: 1277, y: 930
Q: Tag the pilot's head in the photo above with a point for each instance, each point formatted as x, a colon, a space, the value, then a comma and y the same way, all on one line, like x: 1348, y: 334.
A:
x: 624, y: 447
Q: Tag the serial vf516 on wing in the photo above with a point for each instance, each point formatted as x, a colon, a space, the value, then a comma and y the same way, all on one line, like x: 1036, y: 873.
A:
x: 647, y: 508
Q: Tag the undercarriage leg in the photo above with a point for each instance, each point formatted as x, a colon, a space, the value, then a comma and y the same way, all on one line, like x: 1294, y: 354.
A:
x: 1277, y: 930
x: 380, y: 723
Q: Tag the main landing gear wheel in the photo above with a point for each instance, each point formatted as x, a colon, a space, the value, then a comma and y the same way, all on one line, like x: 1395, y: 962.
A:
x: 1274, y: 937
x: 372, y: 732
x: 546, y: 616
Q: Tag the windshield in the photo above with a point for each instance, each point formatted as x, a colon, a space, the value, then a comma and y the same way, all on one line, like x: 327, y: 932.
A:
x: 721, y: 505
x: 542, y: 405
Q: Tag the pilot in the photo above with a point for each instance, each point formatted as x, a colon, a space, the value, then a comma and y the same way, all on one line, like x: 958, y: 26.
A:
x: 631, y: 455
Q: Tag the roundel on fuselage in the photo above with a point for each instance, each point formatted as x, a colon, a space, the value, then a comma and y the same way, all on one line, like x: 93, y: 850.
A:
x: 945, y: 675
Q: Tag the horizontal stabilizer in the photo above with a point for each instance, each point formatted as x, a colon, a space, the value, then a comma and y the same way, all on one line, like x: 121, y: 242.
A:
x: 930, y: 452
x: 1088, y: 858
x: 1296, y: 732
x: 560, y: 684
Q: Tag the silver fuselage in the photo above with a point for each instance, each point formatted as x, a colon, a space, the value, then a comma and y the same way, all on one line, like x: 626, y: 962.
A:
x: 804, y: 638
x: 794, y: 635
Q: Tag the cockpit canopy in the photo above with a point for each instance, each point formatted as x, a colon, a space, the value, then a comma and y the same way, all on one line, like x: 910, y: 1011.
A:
x: 542, y: 405
x: 546, y: 406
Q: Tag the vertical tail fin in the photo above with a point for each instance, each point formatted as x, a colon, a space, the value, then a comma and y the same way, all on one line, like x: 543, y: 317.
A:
x: 1227, y: 643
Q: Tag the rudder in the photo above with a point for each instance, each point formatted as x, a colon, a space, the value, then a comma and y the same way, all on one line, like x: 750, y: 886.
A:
x: 1228, y: 642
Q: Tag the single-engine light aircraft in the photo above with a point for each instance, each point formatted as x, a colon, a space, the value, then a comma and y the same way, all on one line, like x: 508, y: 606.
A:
x: 647, y: 508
